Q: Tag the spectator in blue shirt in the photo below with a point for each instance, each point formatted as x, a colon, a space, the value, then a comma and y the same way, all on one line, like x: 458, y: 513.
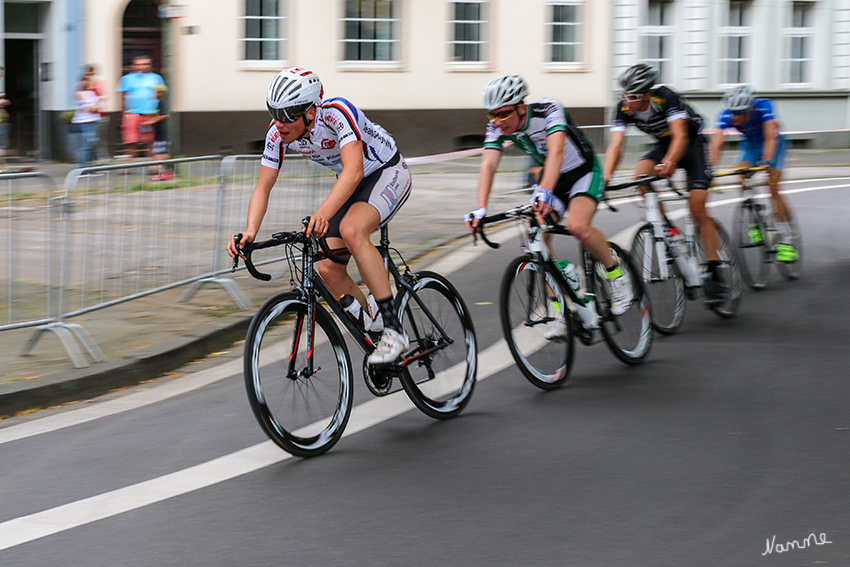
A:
x: 139, y: 101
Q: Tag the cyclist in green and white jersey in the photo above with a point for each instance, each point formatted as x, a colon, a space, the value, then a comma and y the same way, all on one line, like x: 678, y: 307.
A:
x: 571, y: 179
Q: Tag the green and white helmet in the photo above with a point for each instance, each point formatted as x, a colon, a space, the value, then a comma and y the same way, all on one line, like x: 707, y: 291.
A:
x: 506, y: 90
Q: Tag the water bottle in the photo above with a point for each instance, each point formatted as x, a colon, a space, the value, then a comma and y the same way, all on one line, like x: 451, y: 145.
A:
x: 572, y: 275
x: 678, y: 240
x: 352, y: 308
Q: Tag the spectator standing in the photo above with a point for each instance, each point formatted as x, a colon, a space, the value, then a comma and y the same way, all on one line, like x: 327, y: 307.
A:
x: 4, y: 116
x: 159, y: 149
x: 86, y: 118
x: 101, y: 142
x: 138, y: 96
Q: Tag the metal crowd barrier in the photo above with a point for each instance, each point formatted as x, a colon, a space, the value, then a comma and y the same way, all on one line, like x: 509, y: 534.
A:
x: 301, y: 187
x: 121, y: 232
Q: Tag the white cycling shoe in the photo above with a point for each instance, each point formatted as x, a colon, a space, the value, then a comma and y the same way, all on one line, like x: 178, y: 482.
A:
x: 389, y: 348
x: 621, y: 293
x: 557, y: 329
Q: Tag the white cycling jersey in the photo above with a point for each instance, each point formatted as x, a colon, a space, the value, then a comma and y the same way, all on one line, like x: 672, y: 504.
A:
x: 337, y: 123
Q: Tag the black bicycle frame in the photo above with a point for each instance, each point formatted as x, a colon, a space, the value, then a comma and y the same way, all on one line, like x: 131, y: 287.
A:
x: 310, y: 286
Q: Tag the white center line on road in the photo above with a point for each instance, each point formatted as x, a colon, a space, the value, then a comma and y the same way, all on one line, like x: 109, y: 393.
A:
x: 48, y: 522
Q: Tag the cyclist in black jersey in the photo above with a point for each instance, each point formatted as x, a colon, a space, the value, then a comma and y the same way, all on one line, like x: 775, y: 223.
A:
x: 678, y: 129
x: 571, y: 178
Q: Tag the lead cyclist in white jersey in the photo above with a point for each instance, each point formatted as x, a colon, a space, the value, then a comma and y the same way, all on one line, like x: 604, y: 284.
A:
x: 372, y: 183
x: 571, y: 179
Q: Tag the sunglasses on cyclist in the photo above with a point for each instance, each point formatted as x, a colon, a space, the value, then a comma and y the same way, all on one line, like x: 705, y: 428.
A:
x: 738, y: 112
x: 633, y: 97
x: 288, y: 115
x: 503, y: 115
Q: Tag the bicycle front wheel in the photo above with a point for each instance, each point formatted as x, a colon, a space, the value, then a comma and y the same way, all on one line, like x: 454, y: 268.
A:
x: 628, y: 336
x: 730, y: 272
x: 666, y: 296
x: 530, y: 303
x: 748, y: 235
x: 442, y: 361
x: 303, y: 405
x: 792, y: 270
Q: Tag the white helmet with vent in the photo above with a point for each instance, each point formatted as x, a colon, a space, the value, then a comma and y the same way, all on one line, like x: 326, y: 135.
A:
x: 292, y: 92
x: 504, y: 91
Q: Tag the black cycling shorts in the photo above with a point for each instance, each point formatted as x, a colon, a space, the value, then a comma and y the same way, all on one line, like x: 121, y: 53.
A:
x: 386, y: 189
x: 694, y: 161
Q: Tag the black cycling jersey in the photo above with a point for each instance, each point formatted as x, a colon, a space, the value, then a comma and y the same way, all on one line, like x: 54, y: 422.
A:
x: 665, y: 106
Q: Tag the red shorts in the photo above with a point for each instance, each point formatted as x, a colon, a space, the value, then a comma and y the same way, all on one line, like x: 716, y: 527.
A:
x: 133, y: 132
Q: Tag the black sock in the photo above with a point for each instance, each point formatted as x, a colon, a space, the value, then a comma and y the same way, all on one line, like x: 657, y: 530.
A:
x: 387, y: 308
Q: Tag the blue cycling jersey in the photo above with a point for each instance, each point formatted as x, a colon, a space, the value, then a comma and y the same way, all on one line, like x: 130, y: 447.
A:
x: 762, y: 110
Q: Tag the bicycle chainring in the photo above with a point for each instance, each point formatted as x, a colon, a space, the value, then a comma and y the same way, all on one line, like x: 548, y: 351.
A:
x: 377, y: 379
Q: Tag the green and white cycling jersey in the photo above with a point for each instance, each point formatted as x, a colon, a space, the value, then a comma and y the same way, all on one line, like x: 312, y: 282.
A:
x: 546, y: 116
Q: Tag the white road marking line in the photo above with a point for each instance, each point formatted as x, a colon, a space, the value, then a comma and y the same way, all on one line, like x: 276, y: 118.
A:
x: 74, y: 514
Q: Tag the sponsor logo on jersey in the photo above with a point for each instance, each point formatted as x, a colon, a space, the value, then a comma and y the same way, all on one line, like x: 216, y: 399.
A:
x: 328, y: 144
x: 267, y: 157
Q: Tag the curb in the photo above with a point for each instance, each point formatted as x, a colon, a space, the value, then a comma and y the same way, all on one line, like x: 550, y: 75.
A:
x: 121, y: 372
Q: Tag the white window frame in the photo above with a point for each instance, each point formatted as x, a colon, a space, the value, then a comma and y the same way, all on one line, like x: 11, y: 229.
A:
x: 668, y: 31
x: 580, y: 26
x: 807, y: 34
x: 394, y: 41
x: 484, y: 36
x: 745, y: 32
x: 283, y: 40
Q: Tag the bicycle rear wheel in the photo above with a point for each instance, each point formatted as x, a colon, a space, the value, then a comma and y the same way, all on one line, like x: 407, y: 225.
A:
x: 748, y: 234
x: 666, y: 296
x: 439, y: 378
x: 792, y: 270
x: 303, y: 412
x: 731, y: 279
x: 529, y: 300
x: 628, y: 336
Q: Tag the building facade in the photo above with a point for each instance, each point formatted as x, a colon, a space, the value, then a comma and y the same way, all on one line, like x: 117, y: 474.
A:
x: 794, y: 51
x: 418, y: 67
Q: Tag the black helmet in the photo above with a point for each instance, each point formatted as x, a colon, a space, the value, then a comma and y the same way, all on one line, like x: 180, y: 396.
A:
x: 638, y: 79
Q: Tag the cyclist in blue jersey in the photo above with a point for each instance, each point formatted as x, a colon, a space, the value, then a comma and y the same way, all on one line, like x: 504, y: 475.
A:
x: 762, y: 145
x: 571, y: 178
x: 372, y: 184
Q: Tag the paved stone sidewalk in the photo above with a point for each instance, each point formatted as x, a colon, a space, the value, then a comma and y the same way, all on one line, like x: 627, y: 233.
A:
x: 144, y: 338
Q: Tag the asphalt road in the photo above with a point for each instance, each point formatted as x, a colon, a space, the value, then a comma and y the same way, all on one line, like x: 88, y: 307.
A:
x: 734, y: 434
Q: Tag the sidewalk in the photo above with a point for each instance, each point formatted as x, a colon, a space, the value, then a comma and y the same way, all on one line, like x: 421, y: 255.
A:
x: 154, y: 335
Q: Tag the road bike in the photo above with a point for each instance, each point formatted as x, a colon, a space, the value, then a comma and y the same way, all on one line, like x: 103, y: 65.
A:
x: 535, y: 292
x: 755, y: 233
x: 672, y: 264
x: 297, y: 364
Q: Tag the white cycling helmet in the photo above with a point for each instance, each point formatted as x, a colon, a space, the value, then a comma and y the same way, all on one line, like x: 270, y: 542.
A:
x: 509, y: 89
x: 738, y: 99
x: 638, y: 79
x: 292, y: 92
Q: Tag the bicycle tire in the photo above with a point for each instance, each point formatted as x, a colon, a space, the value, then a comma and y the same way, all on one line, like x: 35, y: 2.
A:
x: 439, y: 383
x: 667, y: 297
x: 629, y: 335
x: 524, y: 309
x: 731, y: 266
x: 792, y: 270
x: 748, y: 234
x: 305, y: 416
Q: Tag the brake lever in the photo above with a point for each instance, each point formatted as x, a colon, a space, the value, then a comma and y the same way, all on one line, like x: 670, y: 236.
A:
x: 237, y: 238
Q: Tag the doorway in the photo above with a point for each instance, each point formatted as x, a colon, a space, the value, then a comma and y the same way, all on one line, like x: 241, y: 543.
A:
x: 22, y: 92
